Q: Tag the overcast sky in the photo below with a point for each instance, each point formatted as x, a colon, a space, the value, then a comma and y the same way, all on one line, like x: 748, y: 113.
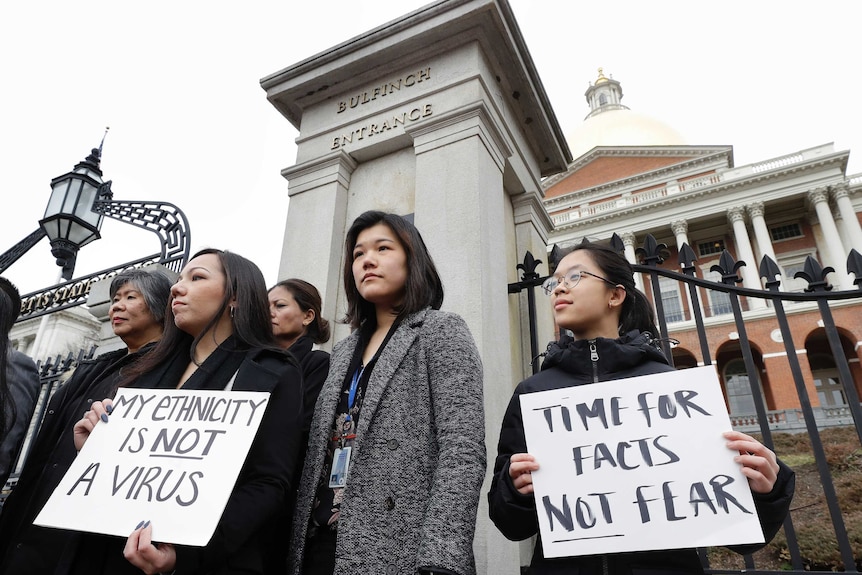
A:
x: 178, y: 83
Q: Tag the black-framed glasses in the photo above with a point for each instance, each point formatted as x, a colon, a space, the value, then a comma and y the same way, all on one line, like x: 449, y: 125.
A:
x: 571, y: 280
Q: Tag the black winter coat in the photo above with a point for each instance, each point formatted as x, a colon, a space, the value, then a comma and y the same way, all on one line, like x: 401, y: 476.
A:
x: 568, y: 363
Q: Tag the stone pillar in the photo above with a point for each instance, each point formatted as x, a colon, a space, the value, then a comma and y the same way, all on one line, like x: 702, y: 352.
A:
x: 841, y: 195
x: 761, y: 232
x: 680, y: 231
x: 318, y: 209
x: 629, y: 240
x: 455, y: 134
x: 750, y: 278
x: 835, y: 255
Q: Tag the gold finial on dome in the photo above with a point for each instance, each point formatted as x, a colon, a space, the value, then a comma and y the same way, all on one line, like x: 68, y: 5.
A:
x: 601, y: 79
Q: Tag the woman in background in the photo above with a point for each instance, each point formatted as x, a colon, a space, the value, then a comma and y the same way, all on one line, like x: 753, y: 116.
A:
x: 594, y: 296
x: 220, y: 338
x: 139, y: 301
x: 396, y: 454
x: 297, y: 325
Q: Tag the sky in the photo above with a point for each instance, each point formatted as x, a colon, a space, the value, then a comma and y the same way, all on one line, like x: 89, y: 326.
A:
x: 178, y: 84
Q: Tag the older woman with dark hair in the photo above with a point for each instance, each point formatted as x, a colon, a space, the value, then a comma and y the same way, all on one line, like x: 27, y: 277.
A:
x: 138, y: 304
x: 220, y: 339
x: 396, y: 453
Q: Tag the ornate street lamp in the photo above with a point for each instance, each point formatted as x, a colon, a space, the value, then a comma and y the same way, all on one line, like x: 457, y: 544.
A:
x: 70, y: 222
x: 79, y: 201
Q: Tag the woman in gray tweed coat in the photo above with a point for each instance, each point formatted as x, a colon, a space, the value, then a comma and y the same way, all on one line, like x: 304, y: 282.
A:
x: 396, y: 453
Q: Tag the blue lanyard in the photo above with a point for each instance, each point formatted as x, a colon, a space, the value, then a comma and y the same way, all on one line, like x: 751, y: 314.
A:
x: 351, y: 395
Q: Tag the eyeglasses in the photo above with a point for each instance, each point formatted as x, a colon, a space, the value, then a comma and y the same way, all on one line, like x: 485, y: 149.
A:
x: 571, y: 280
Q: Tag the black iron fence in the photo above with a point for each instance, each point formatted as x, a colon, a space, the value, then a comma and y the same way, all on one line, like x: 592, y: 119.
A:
x: 818, y: 294
x: 51, y: 373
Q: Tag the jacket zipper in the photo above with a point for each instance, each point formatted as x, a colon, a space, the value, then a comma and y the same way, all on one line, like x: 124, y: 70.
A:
x: 594, y: 357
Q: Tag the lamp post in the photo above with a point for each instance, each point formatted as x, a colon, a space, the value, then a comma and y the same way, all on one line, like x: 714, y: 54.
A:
x: 70, y: 222
x: 79, y: 201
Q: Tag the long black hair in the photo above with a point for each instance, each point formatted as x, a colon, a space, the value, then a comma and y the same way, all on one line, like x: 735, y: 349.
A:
x: 423, y: 288
x: 308, y: 298
x: 637, y: 312
x: 252, y: 323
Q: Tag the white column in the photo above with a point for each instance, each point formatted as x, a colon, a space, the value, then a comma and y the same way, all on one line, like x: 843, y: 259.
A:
x: 629, y: 241
x: 750, y: 278
x: 761, y: 233
x: 680, y: 230
x: 836, y: 255
x: 853, y: 231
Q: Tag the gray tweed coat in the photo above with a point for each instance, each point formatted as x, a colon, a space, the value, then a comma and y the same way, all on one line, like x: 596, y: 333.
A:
x: 419, y: 457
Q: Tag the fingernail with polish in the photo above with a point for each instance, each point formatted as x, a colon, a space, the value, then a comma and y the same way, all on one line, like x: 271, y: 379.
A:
x: 147, y: 523
x: 105, y: 417
x: 141, y: 524
x: 109, y: 408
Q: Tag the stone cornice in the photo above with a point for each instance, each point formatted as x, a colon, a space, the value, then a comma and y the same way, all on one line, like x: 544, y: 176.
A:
x: 696, y: 153
x: 656, y: 178
x: 721, y: 188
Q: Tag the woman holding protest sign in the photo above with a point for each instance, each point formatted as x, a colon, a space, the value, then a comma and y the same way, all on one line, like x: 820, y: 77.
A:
x: 139, y: 302
x: 220, y: 339
x: 396, y: 453
x: 593, y: 295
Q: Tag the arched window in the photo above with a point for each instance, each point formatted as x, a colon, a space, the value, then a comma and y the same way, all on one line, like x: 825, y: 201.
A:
x: 738, y: 388
x: 602, y: 99
x: 829, y: 389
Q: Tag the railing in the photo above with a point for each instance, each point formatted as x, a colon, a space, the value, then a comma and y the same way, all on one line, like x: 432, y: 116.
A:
x: 590, y: 210
x: 50, y: 373
x: 806, y: 418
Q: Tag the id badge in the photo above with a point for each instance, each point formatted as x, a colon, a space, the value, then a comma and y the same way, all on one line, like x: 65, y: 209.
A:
x: 340, y: 464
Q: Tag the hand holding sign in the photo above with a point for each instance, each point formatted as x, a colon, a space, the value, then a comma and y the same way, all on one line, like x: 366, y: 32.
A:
x: 521, y: 467
x: 99, y: 411
x: 759, y: 463
x: 141, y: 552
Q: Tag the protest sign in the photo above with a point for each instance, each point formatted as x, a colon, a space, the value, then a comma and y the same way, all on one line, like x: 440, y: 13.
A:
x: 637, y: 464
x: 167, y: 456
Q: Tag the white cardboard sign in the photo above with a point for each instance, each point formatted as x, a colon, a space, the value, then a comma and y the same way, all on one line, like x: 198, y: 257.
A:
x: 637, y: 464
x: 167, y: 456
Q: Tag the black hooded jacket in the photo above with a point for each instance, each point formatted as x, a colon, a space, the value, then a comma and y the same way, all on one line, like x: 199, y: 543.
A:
x: 569, y: 363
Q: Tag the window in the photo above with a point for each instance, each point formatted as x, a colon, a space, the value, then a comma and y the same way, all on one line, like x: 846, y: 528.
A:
x: 829, y: 388
x: 709, y: 248
x: 603, y: 100
x: 785, y: 231
x: 738, y: 387
x: 670, y: 300
x: 719, y: 301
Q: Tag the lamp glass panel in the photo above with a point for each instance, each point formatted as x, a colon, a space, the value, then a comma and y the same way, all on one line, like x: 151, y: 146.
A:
x: 58, y: 194
x: 78, y: 234
x: 85, y: 204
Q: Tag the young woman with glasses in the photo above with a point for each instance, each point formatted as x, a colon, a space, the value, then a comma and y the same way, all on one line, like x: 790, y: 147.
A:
x: 594, y: 296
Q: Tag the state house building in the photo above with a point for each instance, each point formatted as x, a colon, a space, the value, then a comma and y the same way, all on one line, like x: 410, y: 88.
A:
x: 634, y: 176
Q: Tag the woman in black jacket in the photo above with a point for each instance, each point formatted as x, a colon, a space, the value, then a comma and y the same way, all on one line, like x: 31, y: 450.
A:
x: 594, y: 297
x: 297, y: 324
x: 220, y: 339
